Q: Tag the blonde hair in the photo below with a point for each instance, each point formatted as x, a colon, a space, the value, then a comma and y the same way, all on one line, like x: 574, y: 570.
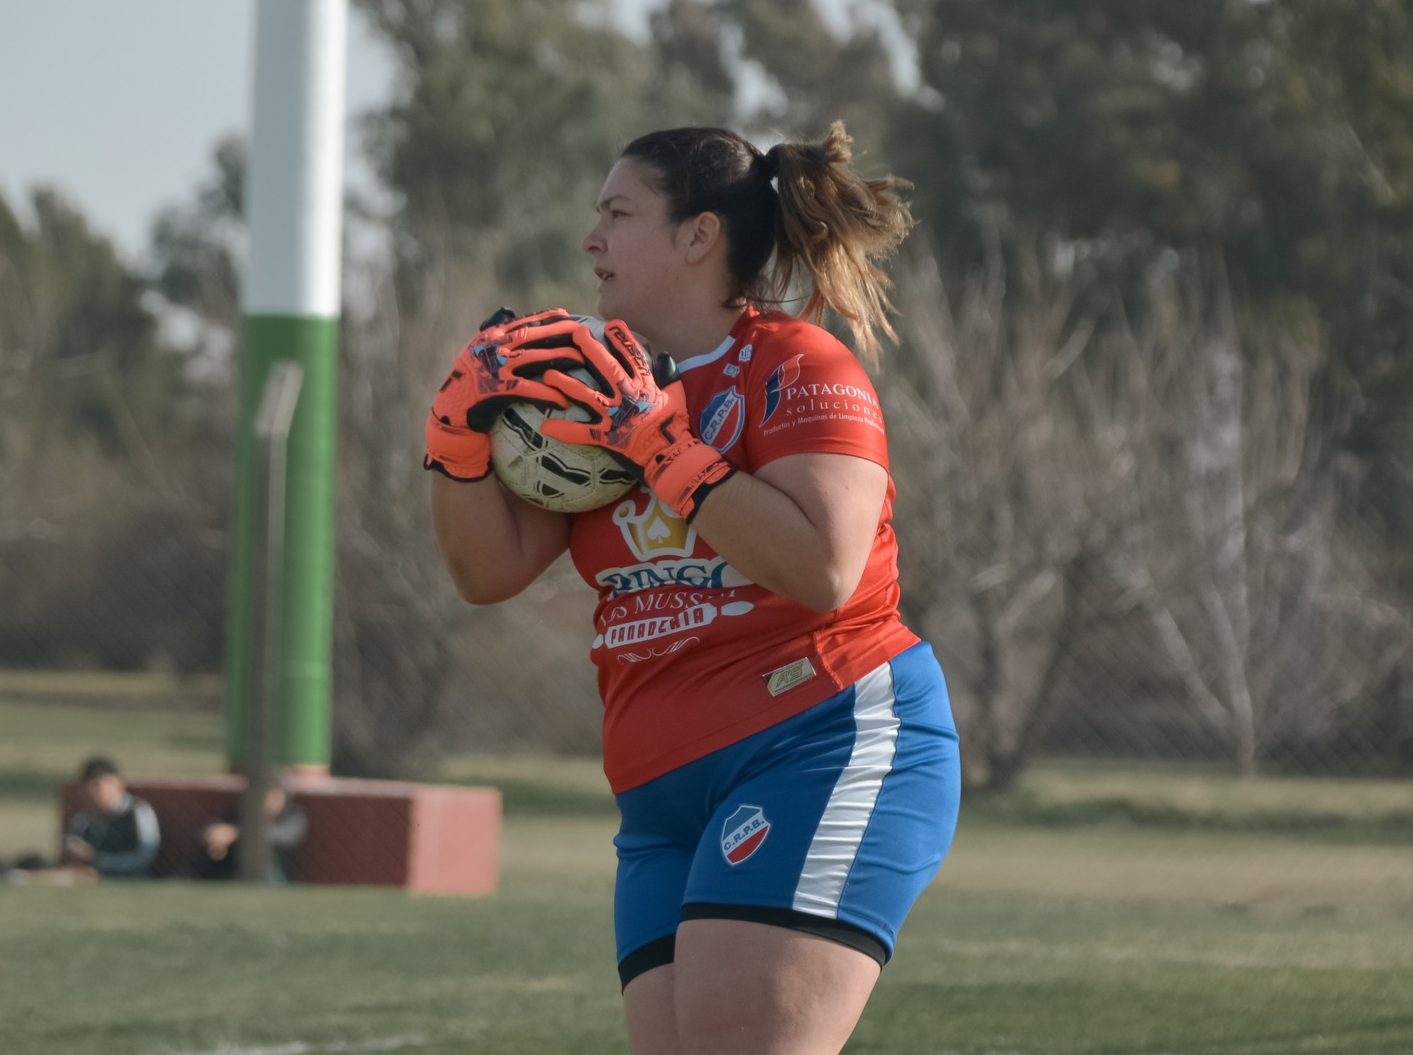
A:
x: 837, y: 226
x: 825, y: 223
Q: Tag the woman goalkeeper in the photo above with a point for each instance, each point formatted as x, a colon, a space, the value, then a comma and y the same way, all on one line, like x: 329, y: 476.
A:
x: 781, y: 746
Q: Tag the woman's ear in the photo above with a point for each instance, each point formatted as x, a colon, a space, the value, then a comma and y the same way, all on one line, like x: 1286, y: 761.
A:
x: 701, y: 235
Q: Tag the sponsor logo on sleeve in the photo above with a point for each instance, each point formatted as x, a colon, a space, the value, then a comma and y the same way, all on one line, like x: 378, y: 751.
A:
x: 786, y: 374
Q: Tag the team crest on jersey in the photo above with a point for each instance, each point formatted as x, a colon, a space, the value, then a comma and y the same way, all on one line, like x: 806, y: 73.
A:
x: 722, y: 419
x: 743, y: 833
x: 786, y: 374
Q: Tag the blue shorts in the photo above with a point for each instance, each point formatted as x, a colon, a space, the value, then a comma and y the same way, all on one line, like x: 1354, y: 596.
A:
x: 831, y: 822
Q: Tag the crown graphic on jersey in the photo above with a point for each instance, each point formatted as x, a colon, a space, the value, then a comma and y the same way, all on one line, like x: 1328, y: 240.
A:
x: 656, y: 531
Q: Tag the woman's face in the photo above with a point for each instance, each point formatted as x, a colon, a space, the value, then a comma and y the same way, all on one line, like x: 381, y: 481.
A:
x: 635, y: 249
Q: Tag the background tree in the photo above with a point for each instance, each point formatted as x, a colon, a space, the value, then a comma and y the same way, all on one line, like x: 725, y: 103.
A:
x: 196, y: 251
x: 97, y: 416
x: 1116, y: 131
x: 507, y: 115
x: 816, y: 76
x: 1113, y: 528
x: 1230, y: 542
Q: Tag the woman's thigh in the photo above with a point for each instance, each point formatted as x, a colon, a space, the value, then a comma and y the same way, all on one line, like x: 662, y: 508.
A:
x: 749, y: 989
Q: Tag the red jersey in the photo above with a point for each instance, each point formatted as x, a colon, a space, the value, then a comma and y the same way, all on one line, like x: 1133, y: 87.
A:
x: 691, y: 655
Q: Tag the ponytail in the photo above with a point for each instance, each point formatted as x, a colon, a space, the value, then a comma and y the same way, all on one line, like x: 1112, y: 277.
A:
x: 837, y: 226
x: 825, y: 224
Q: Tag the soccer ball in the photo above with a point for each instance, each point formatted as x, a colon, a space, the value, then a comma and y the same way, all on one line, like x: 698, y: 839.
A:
x: 563, y: 477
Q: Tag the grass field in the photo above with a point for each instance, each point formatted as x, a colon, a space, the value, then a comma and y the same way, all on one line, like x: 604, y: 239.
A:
x: 1101, y: 910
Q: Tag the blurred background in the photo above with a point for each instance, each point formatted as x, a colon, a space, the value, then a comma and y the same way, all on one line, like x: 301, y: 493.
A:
x: 1151, y: 410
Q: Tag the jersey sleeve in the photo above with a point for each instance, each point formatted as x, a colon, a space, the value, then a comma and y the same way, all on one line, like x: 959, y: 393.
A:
x: 808, y: 394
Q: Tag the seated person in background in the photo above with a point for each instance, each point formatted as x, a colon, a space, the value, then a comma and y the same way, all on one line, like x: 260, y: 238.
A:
x: 285, y: 825
x: 116, y: 833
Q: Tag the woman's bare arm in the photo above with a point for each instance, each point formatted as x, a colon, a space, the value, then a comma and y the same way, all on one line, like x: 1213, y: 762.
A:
x: 802, y: 526
x: 494, y: 544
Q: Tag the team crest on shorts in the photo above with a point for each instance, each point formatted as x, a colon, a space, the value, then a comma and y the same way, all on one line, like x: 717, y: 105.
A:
x: 743, y: 833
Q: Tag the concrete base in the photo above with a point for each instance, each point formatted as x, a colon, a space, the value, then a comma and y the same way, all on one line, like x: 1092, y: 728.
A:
x: 426, y: 838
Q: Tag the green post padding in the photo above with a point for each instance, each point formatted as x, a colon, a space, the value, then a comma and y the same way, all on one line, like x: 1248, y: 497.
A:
x: 300, y: 719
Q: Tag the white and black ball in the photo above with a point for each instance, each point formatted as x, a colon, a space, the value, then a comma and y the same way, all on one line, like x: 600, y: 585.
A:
x: 563, y: 477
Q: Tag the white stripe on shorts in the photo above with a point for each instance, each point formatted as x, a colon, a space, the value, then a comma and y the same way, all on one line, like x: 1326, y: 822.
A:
x: 836, y: 842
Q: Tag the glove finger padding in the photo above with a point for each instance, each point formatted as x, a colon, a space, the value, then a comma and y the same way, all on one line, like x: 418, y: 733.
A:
x: 500, y: 325
x: 522, y: 338
x: 458, y: 453
x: 528, y: 349
x: 629, y: 394
x: 560, y: 343
x: 639, y: 419
x: 483, y: 379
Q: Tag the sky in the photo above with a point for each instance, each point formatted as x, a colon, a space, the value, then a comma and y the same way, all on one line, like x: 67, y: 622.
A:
x: 120, y: 103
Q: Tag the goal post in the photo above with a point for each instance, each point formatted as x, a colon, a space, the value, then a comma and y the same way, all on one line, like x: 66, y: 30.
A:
x: 290, y: 300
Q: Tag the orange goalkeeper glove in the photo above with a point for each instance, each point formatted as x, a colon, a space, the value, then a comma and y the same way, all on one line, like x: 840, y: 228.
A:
x: 488, y: 374
x: 641, y: 417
